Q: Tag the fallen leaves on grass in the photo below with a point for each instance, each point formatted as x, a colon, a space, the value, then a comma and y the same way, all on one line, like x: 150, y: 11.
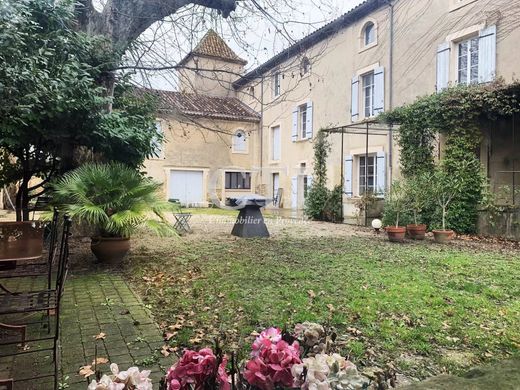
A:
x: 86, y: 371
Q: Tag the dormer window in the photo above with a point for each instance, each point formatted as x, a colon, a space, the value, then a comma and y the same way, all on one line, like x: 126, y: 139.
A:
x: 369, y: 34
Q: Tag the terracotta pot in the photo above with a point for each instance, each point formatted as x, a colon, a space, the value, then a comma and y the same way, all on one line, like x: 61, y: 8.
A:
x: 396, y: 234
x: 110, y: 250
x: 416, y: 232
x: 443, y: 236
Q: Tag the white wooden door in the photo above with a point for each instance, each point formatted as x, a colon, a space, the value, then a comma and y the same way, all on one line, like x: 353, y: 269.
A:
x: 276, y: 183
x: 187, y: 186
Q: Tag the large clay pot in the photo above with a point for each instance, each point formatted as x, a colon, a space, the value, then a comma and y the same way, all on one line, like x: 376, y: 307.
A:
x: 110, y: 250
x: 396, y: 234
x: 443, y: 236
x: 416, y: 232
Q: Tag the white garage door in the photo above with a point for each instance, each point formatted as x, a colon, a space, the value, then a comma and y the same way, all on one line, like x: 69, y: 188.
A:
x: 187, y: 187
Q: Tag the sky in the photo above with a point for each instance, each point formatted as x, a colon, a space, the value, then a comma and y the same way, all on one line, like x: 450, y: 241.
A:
x: 254, y: 35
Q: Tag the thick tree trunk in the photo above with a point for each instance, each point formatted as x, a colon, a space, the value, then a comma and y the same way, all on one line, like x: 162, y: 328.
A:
x: 122, y: 21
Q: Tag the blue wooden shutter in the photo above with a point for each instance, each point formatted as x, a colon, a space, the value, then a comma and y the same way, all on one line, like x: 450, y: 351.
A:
x: 380, y: 174
x: 295, y: 125
x: 443, y: 66
x: 355, y: 99
x: 487, y: 54
x: 308, y: 128
x: 379, y: 90
x: 349, y: 166
x: 294, y: 192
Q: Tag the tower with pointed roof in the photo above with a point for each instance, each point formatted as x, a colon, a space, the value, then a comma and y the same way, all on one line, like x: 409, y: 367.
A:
x: 210, y: 68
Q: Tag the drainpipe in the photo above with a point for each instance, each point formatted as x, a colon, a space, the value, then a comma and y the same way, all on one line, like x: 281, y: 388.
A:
x: 391, y: 94
x: 261, y: 126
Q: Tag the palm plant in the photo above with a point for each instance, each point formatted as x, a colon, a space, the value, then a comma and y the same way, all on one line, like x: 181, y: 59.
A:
x: 113, y: 198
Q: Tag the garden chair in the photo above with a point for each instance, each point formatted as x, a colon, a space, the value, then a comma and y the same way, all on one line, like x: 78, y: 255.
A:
x: 37, y: 267
x: 182, y: 220
x: 47, y: 301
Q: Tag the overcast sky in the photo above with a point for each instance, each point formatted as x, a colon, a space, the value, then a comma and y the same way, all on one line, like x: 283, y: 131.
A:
x: 254, y: 36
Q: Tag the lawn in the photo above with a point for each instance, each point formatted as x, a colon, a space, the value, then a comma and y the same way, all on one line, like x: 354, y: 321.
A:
x: 423, y: 307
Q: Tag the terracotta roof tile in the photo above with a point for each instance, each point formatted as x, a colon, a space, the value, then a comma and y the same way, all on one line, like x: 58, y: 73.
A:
x: 212, y: 45
x: 225, y: 108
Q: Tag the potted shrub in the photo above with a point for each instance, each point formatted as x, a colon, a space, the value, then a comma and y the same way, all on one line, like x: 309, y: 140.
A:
x: 445, y: 187
x: 417, y: 192
x: 114, y: 200
x: 396, y: 200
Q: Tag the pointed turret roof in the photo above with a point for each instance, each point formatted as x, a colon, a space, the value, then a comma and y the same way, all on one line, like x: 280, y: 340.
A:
x: 212, y: 45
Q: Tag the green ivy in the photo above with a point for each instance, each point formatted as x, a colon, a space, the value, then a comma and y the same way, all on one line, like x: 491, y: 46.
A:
x: 457, y: 114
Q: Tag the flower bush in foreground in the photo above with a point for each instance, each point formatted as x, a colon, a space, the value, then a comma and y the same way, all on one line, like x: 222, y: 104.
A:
x: 131, y: 379
x: 278, y: 360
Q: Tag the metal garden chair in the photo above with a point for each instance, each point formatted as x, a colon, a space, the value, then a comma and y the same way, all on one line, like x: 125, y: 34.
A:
x: 47, y: 301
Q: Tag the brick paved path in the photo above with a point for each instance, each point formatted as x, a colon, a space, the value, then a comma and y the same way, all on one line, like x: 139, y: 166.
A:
x: 95, y: 303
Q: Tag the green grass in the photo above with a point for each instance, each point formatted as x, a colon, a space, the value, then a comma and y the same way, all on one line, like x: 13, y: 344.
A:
x: 420, y: 306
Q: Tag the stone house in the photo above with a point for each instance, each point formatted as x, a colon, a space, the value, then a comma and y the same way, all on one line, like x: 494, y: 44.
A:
x: 378, y: 56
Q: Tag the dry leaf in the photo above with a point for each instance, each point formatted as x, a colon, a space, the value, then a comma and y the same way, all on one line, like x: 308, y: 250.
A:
x: 330, y: 307
x: 100, y: 336
x: 312, y: 294
x: 100, y: 360
x: 86, y: 371
x: 195, y: 340
x: 169, y: 335
x: 165, y: 350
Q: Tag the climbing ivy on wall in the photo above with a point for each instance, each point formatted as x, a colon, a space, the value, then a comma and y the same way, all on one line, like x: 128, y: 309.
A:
x: 457, y: 114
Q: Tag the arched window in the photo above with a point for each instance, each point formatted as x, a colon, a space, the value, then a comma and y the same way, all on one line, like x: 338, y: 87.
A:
x: 369, y: 34
x: 239, y: 142
x: 305, y: 66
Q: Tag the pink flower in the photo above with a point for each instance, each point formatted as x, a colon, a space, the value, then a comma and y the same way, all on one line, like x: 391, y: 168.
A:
x: 195, y: 369
x: 272, y: 360
x: 266, y: 338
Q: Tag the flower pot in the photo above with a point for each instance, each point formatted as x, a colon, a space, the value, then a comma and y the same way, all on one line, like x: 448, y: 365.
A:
x: 110, y: 250
x: 416, y: 232
x: 396, y: 234
x: 443, y: 236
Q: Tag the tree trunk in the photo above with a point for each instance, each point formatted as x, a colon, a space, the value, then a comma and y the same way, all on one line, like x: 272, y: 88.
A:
x: 122, y: 21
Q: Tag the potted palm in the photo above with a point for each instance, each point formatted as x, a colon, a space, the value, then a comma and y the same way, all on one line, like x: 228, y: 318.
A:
x: 396, y: 201
x: 417, y: 192
x: 114, y: 200
x: 445, y: 187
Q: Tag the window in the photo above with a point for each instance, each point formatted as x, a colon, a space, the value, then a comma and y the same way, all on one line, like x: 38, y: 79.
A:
x: 277, y: 79
x: 369, y: 34
x: 305, y: 66
x: 468, y: 61
x: 367, y: 174
x: 276, y: 143
x: 368, y: 94
x: 157, y: 140
x: 302, y: 121
x: 238, y: 180
x: 239, y: 142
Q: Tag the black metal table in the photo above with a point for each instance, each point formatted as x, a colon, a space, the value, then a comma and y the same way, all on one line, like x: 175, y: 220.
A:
x: 250, y: 221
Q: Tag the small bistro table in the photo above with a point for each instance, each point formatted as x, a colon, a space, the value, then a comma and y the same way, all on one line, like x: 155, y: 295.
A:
x: 250, y: 221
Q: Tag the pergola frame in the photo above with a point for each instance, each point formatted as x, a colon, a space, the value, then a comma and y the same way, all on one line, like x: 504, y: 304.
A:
x: 366, y: 128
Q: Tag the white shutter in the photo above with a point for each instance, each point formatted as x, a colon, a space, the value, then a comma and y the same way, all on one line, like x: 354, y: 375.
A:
x: 308, y: 128
x: 487, y: 54
x: 277, y: 145
x: 355, y: 99
x: 295, y: 125
x: 348, y: 176
x: 379, y: 90
x: 380, y: 174
x: 443, y: 66
x: 294, y: 192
